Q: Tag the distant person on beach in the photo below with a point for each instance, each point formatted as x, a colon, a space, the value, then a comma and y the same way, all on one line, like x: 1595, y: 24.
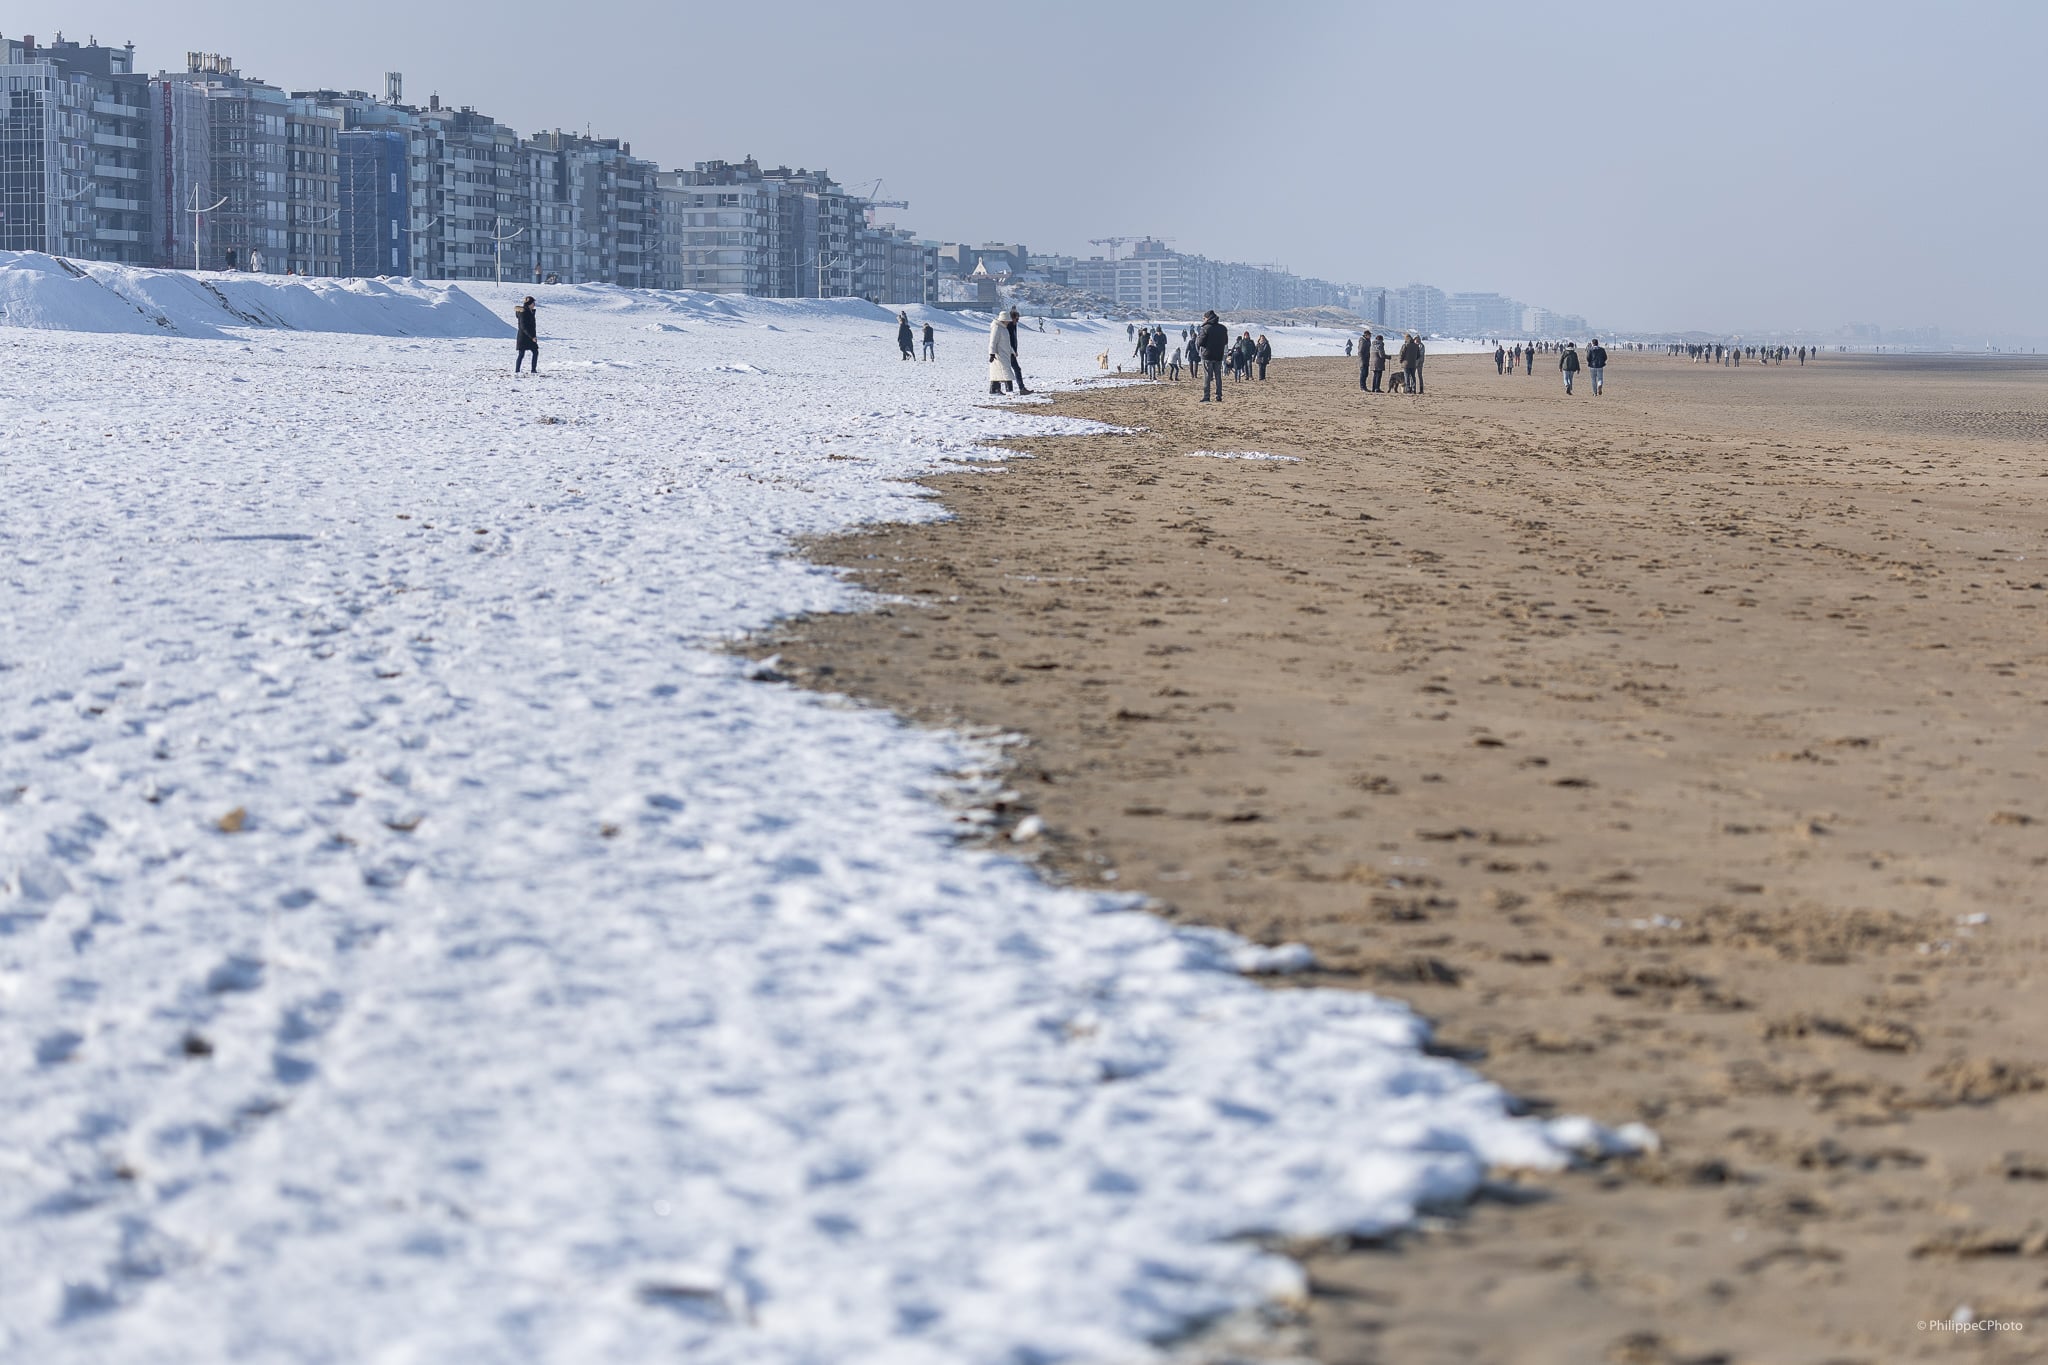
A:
x: 1596, y: 366
x: 1500, y: 358
x: 1421, y: 355
x: 1264, y: 355
x: 528, y: 342
x: 928, y: 339
x: 1003, y: 370
x: 1347, y: 350
x: 1194, y: 350
x: 1213, y: 340
x: 1569, y: 363
x: 906, y: 342
x: 1379, y: 361
x: 1364, y: 360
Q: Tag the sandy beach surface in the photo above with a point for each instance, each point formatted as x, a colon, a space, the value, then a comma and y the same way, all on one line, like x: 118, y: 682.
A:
x: 1679, y: 752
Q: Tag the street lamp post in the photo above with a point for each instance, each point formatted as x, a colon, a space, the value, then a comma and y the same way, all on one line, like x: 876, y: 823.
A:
x: 197, y: 213
x: 412, y: 247
x: 330, y: 216
x: 498, y: 245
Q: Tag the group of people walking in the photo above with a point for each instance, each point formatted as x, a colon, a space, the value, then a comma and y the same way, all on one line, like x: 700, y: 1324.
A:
x: 906, y: 340
x: 1721, y: 353
x: 1160, y: 356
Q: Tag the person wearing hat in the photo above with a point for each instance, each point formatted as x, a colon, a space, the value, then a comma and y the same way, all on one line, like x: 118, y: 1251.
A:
x: 529, y: 336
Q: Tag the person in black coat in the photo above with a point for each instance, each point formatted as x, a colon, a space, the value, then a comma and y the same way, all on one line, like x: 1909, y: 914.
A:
x: 1213, y: 340
x: 1596, y: 366
x: 1364, y: 359
x: 1263, y: 353
x: 906, y: 341
x: 1500, y: 358
x: 528, y: 342
x: 928, y: 342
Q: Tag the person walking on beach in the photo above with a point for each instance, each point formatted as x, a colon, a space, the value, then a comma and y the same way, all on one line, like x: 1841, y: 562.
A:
x: 1596, y: 366
x: 1264, y: 355
x: 1569, y: 363
x: 905, y: 341
x: 1500, y: 358
x: 1003, y: 369
x: 528, y: 342
x: 1194, y: 350
x: 1379, y: 361
x: 1421, y: 355
x: 928, y: 342
x: 1213, y: 340
x: 1347, y: 349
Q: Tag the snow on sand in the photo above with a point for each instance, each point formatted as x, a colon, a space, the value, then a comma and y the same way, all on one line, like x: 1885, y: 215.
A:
x: 416, y: 944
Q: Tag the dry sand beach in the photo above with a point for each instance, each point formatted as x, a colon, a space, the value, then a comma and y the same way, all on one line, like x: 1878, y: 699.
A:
x: 1679, y: 752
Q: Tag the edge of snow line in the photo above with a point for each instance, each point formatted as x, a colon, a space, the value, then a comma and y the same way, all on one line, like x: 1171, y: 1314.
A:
x: 406, y: 906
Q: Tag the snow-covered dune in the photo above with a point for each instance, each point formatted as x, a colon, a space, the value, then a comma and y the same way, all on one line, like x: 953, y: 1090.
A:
x: 418, y: 943
x: 46, y: 293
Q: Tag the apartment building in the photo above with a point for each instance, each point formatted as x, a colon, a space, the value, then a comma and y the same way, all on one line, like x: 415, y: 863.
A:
x: 1417, y: 308
x: 274, y: 161
x: 75, y: 169
x: 594, y: 211
x: 376, y: 202
x: 1482, y: 315
x: 1154, y: 278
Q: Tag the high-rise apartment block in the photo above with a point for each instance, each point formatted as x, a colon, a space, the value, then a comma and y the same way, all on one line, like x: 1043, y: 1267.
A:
x: 75, y: 152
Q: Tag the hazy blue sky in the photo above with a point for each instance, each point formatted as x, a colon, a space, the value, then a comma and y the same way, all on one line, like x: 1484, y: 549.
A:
x: 1719, y: 164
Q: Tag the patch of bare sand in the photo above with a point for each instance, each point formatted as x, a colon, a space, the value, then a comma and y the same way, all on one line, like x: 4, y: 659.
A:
x: 1679, y: 752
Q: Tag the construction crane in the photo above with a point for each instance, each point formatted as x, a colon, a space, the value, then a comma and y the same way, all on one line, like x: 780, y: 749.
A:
x: 1115, y: 244
x: 871, y: 203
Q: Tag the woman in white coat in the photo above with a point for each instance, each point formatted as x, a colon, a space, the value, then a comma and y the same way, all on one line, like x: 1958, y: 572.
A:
x: 1002, y: 354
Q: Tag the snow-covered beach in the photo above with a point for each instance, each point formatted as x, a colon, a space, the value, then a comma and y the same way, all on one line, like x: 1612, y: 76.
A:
x: 419, y: 942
